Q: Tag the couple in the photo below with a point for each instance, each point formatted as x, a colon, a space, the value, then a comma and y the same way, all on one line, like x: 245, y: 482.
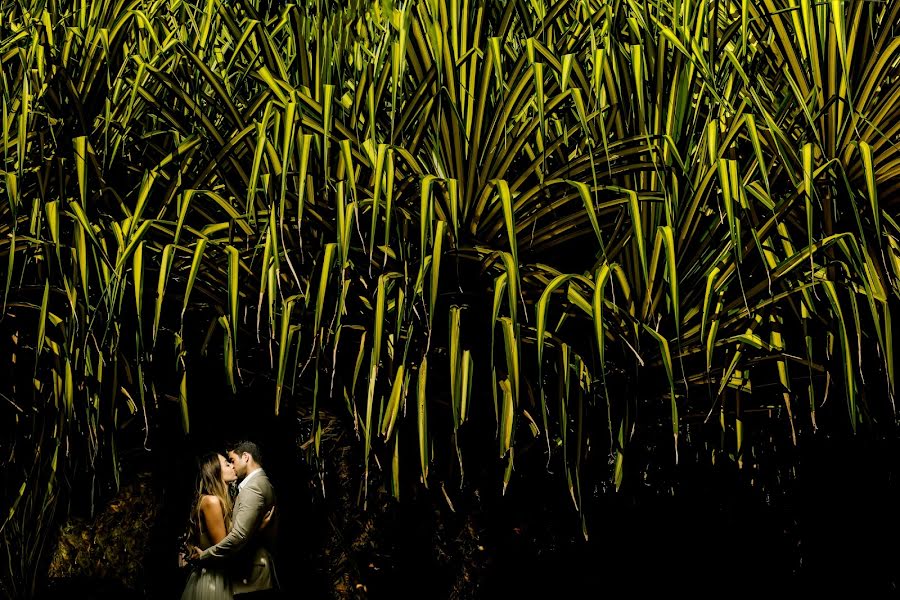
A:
x: 230, y: 546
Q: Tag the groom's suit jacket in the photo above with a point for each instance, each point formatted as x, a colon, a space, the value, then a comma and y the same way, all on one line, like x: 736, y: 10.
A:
x: 246, y: 549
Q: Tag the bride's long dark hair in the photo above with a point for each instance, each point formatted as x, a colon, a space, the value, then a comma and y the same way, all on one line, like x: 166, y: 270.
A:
x: 209, y: 483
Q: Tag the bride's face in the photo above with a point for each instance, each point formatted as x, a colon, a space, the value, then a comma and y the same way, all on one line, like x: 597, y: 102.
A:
x: 228, y: 474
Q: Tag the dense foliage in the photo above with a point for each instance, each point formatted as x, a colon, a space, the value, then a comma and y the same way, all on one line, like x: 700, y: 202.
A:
x: 424, y: 215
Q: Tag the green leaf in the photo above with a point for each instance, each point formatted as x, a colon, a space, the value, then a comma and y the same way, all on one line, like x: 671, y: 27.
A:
x: 233, y: 293
x: 196, y: 261
x: 422, y: 419
x: 327, y: 262
x: 165, y: 269
x: 396, y: 399
x: 869, y: 171
x: 666, y: 356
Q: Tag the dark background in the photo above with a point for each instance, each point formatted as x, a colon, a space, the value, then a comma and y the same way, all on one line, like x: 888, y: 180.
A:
x: 832, y: 528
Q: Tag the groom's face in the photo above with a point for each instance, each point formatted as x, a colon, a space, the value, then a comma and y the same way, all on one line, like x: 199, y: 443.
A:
x: 240, y: 463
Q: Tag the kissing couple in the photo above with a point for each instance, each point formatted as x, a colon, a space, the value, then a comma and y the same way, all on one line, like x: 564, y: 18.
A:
x: 230, y: 545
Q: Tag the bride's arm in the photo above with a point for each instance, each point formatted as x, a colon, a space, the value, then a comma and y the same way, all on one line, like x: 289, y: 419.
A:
x: 268, y: 518
x: 211, y: 508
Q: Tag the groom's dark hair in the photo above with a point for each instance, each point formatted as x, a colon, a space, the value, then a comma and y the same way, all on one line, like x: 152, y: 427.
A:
x: 250, y: 448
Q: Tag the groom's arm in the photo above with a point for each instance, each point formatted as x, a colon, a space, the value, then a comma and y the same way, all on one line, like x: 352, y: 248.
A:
x: 244, y: 524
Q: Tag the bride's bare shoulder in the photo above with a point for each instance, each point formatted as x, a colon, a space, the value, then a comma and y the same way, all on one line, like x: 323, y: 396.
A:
x: 210, y: 502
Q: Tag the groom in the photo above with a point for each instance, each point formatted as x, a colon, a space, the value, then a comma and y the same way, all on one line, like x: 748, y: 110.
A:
x: 246, y: 546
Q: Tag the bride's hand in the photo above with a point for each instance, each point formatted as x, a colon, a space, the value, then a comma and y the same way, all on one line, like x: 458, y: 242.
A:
x: 267, y: 519
x: 193, y: 553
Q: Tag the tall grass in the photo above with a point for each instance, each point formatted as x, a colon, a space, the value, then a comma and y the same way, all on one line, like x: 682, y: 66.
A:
x: 503, y: 203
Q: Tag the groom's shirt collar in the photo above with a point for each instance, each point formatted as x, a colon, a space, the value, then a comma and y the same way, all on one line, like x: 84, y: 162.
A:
x: 248, y: 477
